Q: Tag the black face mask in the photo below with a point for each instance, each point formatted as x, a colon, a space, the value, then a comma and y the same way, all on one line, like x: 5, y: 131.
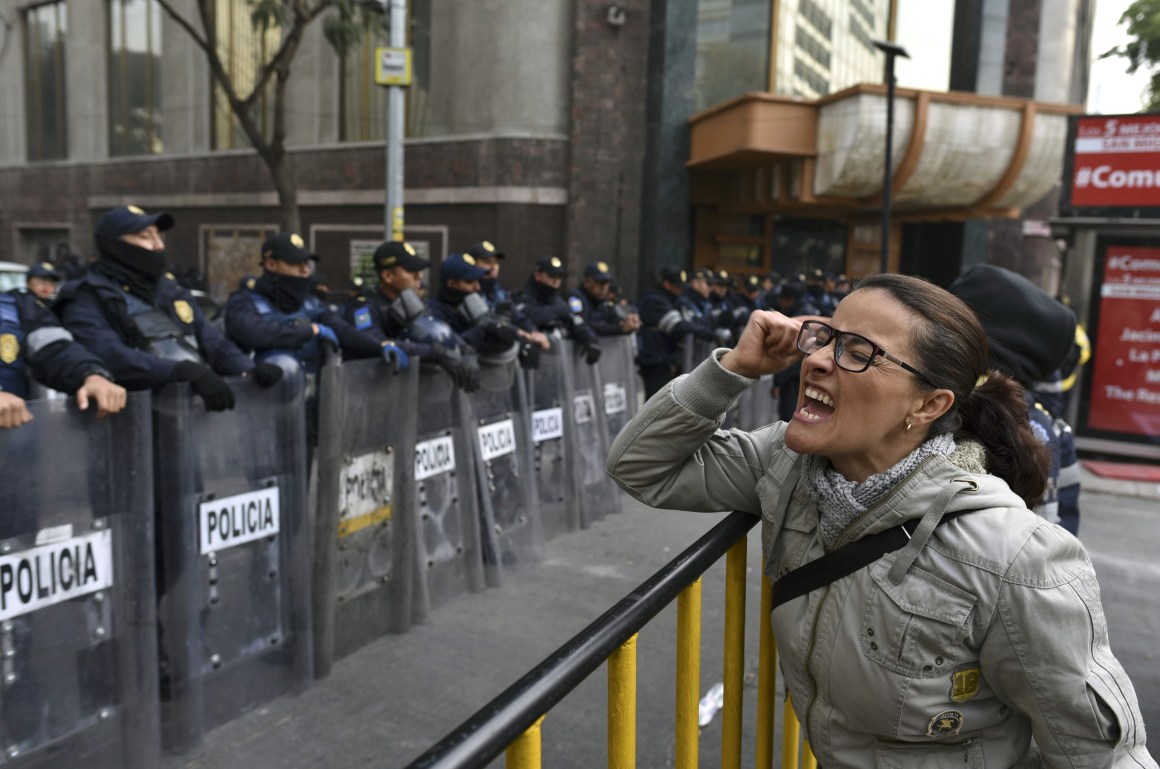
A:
x: 452, y: 296
x: 130, y: 265
x: 543, y: 292
x: 288, y: 293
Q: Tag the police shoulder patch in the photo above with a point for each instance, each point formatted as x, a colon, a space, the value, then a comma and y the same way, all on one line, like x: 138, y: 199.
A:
x: 575, y: 305
x: 362, y: 318
x: 183, y: 310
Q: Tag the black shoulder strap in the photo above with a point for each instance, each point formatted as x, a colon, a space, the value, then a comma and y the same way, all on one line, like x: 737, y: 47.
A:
x: 847, y: 559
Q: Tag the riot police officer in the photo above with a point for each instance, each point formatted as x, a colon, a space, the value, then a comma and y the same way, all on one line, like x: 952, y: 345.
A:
x: 459, y: 304
x: 145, y: 328
x: 663, y: 328
x: 590, y: 301
x: 488, y: 257
x: 42, y: 281
x: 278, y: 316
x: 387, y: 313
x: 540, y: 302
x: 32, y: 339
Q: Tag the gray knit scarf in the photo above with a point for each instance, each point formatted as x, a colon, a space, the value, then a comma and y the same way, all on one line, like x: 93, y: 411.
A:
x: 840, y: 501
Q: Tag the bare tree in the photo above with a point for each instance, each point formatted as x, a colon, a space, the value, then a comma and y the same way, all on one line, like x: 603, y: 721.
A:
x: 343, y: 28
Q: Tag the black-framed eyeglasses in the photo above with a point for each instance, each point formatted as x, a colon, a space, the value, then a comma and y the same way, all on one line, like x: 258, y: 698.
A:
x: 852, y: 352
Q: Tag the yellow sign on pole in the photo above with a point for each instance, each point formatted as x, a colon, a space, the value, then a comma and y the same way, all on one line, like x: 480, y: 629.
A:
x: 392, y: 66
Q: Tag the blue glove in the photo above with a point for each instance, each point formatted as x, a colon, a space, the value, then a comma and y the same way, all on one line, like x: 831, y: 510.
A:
x: 396, y: 356
x: 326, y: 335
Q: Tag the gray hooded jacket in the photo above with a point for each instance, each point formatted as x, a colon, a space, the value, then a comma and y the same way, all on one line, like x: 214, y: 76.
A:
x: 988, y: 632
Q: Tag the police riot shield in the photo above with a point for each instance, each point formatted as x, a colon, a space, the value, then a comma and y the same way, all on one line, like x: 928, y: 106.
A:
x: 78, y: 673
x: 617, y: 381
x: 511, y: 530
x: 234, y: 594
x: 364, y: 526
x: 448, y: 560
x: 598, y: 495
x: 549, y: 390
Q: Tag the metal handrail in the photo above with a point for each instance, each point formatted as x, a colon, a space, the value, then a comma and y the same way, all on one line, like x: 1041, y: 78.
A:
x: 485, y: 734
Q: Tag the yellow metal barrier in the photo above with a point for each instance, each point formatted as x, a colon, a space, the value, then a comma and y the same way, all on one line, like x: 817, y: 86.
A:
x: 766, y: 679
x: 524, y: 753
x: 688, y: 674
x: 622, y: 706
x: 790, y: 735
x: 734, y: 655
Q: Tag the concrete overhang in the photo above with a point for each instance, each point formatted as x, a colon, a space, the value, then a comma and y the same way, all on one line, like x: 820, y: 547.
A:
x: 956, y: 155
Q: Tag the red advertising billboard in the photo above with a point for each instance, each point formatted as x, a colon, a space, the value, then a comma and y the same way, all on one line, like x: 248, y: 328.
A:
x: 1125, y: 387
x: 1116, y: 162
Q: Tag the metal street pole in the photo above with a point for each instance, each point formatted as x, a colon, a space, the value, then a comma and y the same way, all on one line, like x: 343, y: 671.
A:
x: 395, y: 15
x: 891, y: 50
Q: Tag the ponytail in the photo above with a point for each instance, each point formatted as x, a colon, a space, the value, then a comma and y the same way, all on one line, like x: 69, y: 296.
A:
x: 995, y: 414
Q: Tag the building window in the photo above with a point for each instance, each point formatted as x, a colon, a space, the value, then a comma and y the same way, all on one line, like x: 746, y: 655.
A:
x: 46, y: 120
x: 732, y: 50
x: 362, y: 103
x: 808, y: 43
x: 818, y: 18
x: 134, y: 37
x: 864, y: 11
x: 244, y: 50
x: 806, y: 73
x: 861, y: 35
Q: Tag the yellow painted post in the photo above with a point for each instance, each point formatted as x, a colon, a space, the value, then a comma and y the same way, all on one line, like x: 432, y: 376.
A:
x: 809, y: 761
x: 524, y: 753
x: 734, y: 654
x: 766, y: 680
x: 622, y: 706
x: 688, y: 674
x: 790, y: 734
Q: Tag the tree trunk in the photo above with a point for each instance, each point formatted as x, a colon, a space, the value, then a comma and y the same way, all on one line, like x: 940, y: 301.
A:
x: 285, y: 176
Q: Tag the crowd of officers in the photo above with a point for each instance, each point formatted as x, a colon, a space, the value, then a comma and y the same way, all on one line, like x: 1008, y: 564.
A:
x: 128, y: 324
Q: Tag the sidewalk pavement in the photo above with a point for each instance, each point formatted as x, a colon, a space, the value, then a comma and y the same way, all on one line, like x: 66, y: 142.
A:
x: 1090, y: 482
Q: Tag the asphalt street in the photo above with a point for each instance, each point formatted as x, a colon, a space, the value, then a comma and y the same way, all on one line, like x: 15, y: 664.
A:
x: 388, y: 702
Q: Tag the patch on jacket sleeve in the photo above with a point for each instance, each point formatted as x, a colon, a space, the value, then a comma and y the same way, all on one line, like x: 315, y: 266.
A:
x: 965, y: 684
x: 575, y: 305
x: 362, y: 318
x: 948, y: 722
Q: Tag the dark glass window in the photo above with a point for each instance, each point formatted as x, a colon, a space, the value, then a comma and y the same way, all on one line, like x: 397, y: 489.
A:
x: 134, y: 77
x: 46, y: 117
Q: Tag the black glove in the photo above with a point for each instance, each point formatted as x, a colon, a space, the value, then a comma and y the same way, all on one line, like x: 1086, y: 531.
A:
x: 505, y: 335
x: 267, y: 374
x: 529, y: 355
x: 212, y: 388
x: 703, y: 332
x: 471, y: 374
x: 592, y: 353
x: 454, y: 367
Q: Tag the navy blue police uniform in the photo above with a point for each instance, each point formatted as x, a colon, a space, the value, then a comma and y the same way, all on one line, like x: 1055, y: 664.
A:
x: 663, y: 329
x: 32, y: 340
x: 467, y: 313
x: 547, y: 311
x: 598, y: 314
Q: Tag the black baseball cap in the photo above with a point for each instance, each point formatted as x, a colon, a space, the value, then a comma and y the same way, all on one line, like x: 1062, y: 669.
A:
x: 720, y: 278
x: 394, y: 253
x: 599, y: 272
x: 287, y: 247
x: 126, y: 219
x: 674, y: 275
x: 552, y: 266
x: 485, y: 250
x: 44, y: 271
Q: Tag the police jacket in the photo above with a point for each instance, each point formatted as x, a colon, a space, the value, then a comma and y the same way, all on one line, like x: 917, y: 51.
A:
x: 368, y: 313
x: 547, y: 311
x: 470, y: 332
x: 31, y: 337
x: 141, y: 341
x: 993, y: 635
x: 663, y: 328
x: 1061, y: 502
x: 599, y: 315
x: 257, y: 324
